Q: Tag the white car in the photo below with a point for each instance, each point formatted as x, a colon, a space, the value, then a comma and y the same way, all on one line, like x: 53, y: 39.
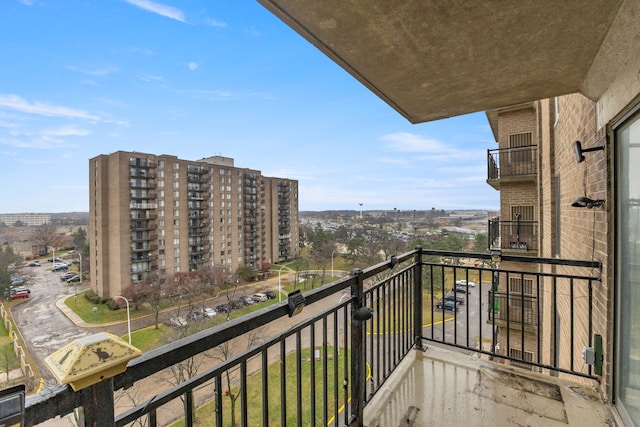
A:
x: 465, y: 283
x: 209, y: 312
x: 259, y: 297
x: 179, y: 322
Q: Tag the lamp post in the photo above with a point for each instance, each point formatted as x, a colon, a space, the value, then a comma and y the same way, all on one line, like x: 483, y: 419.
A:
x: 342, y: 330
x: 75, y: 286
x: 128, y: 316
x: 332, y: 252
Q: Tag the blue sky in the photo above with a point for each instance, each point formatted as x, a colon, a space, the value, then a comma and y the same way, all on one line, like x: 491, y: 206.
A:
x: 200, y: 78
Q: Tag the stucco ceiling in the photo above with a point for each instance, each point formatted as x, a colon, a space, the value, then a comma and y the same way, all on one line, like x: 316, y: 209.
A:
x: 436, y: 59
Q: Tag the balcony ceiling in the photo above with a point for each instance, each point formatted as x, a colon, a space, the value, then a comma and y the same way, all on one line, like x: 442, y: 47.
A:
x: 435, y: 59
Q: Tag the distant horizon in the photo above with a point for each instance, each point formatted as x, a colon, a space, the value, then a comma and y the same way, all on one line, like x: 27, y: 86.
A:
x: 299, y: 211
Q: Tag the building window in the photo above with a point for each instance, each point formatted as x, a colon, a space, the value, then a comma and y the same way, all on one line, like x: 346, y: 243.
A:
x: 176, y: 165
x: 176, y: 241
x: 161, y: 212
x: 176, y: 222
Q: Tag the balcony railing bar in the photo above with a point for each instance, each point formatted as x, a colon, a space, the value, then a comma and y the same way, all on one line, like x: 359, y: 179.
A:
x: 392, y: 339
x: 196, y: 381
x: 572, y: 322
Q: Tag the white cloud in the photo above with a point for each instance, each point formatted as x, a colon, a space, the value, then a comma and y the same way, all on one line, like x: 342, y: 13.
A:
x: 427, y: 149
x: 214, y: 23
x: 192, y: 65
x: 17, y: 103
x: 97, y: 72
x: 405, y: 142
x: 160, y: 9
x: 26, y: 2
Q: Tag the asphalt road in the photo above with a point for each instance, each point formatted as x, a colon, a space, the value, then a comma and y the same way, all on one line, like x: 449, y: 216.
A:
x: 43, y: 327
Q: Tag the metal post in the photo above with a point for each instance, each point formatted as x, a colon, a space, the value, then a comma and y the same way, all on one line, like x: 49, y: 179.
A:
x: 417, y: 295
x: 128, y: 316
x: 97, y: 405
x: 358, y: 368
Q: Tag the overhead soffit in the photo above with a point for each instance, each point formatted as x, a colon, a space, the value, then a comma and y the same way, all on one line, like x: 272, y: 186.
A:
x: 434, y: 59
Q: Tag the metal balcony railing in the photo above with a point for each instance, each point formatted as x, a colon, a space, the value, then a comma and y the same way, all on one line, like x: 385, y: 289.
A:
x: 512, y: 162
x: 348, y: 340
x: 513, y: 236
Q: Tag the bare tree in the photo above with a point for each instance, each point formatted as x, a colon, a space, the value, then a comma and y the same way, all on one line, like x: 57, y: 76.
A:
x: 227, y: 351
x: 8, y: 359
x: 137, y: 293
x: 46, y: 235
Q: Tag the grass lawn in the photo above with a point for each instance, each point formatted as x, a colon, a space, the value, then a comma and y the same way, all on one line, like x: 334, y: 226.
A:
x: 149, y: 338
x: 8, y: 358
x: 205, y: 415
x: 84, y: 308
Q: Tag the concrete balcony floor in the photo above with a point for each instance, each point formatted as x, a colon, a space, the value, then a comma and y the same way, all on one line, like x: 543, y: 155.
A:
x: 445, y: 387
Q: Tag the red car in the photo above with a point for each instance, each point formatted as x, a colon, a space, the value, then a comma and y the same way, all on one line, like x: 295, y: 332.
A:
x: 20, y: 294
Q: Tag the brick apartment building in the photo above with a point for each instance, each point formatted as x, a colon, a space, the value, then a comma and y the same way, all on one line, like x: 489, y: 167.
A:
x: 160, y: 214
x: 536, y: 171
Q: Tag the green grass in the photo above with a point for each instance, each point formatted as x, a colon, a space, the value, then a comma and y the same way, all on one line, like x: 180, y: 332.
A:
x: 103, y: 314
x: 7, y: 349
x: 205, y: 414
x: 149, y: 338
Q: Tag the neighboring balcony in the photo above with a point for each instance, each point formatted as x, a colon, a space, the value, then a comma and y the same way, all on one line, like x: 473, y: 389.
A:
x: 369, y: 349
x: 513, y: 236
x: 507, y: 165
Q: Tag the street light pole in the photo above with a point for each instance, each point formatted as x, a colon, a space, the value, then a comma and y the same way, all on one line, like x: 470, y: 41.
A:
x: 75, y: 287
x: 128, y: 316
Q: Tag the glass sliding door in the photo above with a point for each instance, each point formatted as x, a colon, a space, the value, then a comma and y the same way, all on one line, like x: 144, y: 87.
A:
x: 628, y: 270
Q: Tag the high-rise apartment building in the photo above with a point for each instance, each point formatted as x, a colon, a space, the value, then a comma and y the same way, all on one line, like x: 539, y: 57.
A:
x: 160, y: 214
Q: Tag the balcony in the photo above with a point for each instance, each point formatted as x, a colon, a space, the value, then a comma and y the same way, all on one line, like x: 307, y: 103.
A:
x: 513, y: 236
x: 518, y: 164
x: 368, y: 349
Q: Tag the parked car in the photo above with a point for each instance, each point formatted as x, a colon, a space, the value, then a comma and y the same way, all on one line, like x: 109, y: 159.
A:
x: 209, y: 312
x: 196, y: 316
x: 465, y: 283
x: 15, y: 281
x: 60, y: 267
x: 453, y: 296
x: 447, y: 305
x: 246, y: 300
x: 259, y: 297
x: 55, y: 259
x: 15, y: 289
x: 461, y: 289
x: 33, y: 264
x: 67, y: 275
x: 236, y: 305
x: 270, y: 294
x: 74, y: 279
x: 222, y: 308
x: 22, y: 293
x: 178, y: 322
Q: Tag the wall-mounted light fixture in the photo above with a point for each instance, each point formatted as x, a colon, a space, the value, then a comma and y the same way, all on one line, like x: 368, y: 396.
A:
x: 577, y: 147
x: 296, y: 303
x: 585, y: 202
